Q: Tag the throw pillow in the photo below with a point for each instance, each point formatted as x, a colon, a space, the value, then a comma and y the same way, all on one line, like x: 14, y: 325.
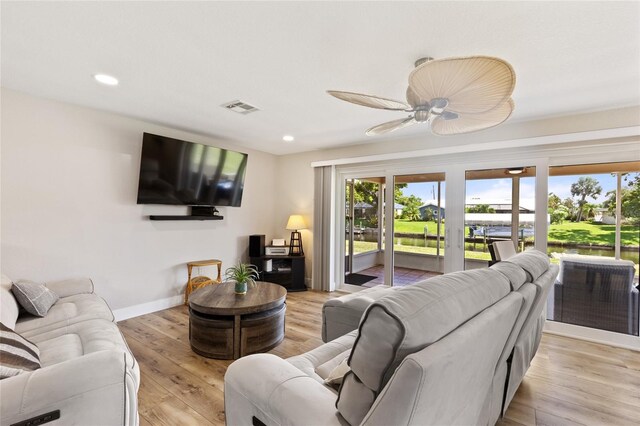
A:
x: 8, y: 304
x: 17, y: 354
x: 334, y: 379
x: 33, y: 297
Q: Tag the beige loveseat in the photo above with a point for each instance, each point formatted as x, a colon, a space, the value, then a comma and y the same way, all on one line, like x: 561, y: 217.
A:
x: 88, y: 373
x: 449, y: 350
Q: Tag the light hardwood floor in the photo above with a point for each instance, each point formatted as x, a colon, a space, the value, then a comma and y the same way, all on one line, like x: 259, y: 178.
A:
x: 570, y: 381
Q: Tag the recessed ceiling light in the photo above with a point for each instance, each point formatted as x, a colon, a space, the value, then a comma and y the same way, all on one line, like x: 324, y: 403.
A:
x: 288, y: 138
x: 106, y: 79
x: 515, y: 170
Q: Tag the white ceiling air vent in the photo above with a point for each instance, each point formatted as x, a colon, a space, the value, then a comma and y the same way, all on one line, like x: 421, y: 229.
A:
x: 240, y: 107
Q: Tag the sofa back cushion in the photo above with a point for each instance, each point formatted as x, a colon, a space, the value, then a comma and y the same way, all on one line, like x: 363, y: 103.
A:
x: 514, y: 273
x: 534, y: 263
x: 406, y: 321
x: 448, y: 382
x: 8, y: 304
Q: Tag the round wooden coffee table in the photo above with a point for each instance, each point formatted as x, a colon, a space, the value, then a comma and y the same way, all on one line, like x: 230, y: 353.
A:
x: 225, y: 325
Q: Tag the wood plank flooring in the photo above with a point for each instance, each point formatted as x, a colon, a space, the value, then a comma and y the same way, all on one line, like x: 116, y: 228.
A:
x: 570, y: 382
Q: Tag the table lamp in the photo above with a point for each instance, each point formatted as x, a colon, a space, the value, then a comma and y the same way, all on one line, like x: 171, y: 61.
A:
x: 295, y: 244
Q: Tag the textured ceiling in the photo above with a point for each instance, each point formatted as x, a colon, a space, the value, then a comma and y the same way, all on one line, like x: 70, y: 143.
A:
x: 178, y: 62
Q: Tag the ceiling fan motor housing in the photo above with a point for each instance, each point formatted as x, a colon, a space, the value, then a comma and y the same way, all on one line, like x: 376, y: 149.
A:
x: 421, y: 115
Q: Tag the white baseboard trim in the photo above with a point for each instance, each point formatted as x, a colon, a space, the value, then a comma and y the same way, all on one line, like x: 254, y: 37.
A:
x: 147, y: 308
x: 610, y: 338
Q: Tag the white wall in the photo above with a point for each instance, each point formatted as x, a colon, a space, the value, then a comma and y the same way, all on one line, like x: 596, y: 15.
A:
x: 69, y: 186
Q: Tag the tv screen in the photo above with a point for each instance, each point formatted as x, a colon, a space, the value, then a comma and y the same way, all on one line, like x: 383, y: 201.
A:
x: 173, y: 171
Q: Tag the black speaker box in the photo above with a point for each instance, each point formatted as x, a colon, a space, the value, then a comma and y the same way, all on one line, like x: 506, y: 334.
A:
x: 256, y: 245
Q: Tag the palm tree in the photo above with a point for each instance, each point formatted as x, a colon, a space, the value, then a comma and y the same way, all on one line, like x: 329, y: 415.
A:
x: 585, y: 187
x: 589, y: 210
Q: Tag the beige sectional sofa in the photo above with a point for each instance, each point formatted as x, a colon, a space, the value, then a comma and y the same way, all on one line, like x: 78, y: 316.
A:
x: 449, y: 350
x: 88, y: 372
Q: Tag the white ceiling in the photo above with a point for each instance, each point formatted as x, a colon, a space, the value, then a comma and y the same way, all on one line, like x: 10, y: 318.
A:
x: 177, y: 62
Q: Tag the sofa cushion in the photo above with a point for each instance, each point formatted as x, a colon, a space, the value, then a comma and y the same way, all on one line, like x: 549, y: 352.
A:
x: 66, y: 311
x: 80, y: 339
x: 355, y: 399
x: 408, y: 320
x: 514, y: 273
x: 311, y: 362
x: 17, y: 354
x: 70, y: 287
x: 328, y: 370
x: 34, y: 297
x: 335, y: 376
x: 594, y: 260
x: 534, y: 263
x: 8, y: 304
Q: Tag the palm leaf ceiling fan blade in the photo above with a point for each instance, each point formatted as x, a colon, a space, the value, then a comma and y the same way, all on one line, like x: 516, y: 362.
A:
x: 369, y: 101
x: 472, y: 85
x: 390, y: 126
x: 466, y: 123
x: 413, y: 99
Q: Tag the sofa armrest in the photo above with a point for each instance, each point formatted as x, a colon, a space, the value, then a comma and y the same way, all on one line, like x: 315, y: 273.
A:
x: 270, y: 389
x: 342, y: 314
x: 70, y: 287
x: 93, y: 389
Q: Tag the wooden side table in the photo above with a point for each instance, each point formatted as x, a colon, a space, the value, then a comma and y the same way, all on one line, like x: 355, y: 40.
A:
x: 226, y: 325
x: 201, y: 281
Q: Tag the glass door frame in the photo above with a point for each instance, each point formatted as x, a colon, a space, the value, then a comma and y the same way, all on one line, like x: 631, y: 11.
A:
x: 340, y: 226
x: 454, y: 250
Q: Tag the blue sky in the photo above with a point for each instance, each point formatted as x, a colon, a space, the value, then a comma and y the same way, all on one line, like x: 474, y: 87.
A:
x: 500, y: 189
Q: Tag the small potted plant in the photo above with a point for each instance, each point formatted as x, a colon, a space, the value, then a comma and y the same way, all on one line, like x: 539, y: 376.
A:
x: 243, y: 275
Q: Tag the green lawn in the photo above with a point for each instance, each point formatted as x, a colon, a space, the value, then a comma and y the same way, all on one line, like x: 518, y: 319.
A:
x: 364, y: 246
x: 404, y: 226
x: 583, y: 232
x: 591, y: 233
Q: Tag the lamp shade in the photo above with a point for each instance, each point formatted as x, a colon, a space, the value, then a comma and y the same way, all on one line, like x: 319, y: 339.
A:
x: 295, y: 222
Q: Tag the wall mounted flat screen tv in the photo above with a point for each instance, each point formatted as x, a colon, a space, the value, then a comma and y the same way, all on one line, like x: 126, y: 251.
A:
x: 173, y: 171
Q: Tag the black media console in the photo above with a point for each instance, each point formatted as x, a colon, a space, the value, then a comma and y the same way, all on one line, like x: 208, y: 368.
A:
x: 288, y: 271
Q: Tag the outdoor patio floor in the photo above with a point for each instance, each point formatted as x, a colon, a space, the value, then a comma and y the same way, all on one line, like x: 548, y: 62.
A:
x: 401, y: 276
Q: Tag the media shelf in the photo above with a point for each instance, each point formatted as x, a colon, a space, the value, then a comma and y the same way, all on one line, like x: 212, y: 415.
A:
x: 291, y: 274
x: 184, y: 217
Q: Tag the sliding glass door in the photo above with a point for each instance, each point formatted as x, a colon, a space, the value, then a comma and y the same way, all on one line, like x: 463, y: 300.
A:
x: 594, y: 236
x: 418, y: 232
x: 403, y: 223
x: 364, y: 231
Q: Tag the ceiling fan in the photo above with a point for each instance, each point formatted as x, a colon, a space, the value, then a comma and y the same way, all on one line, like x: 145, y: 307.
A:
x: 451, y: 95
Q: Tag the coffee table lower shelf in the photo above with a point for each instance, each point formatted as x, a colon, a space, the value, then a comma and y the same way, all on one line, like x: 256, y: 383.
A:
x: 234, y: 336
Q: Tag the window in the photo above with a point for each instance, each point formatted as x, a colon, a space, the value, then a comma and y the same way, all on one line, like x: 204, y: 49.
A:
x: 499, y: 206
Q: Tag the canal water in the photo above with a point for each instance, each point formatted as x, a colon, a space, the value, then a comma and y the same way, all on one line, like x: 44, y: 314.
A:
x: 631, y: 255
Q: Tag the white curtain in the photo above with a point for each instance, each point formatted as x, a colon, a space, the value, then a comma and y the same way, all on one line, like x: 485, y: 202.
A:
x: 321, y: 277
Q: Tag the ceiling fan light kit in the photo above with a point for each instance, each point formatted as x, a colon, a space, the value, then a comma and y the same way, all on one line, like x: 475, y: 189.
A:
x: 451, y: 95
